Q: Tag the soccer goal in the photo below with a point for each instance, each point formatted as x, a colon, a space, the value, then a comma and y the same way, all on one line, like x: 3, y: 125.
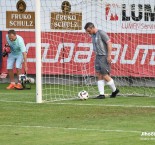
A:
x: 67, y: 65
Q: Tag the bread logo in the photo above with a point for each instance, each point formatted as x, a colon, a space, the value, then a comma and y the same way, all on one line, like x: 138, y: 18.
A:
x: 66, y: 7
x: 21, y: 6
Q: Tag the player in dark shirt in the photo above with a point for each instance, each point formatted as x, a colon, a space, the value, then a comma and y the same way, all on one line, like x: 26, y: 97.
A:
x: 102, y: 47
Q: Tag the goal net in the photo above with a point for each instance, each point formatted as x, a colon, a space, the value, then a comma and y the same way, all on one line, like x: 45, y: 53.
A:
x: 68, y: 58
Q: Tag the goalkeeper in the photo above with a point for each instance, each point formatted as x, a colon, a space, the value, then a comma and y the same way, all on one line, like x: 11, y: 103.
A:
x: 16, y: 56
x: 102, y: 48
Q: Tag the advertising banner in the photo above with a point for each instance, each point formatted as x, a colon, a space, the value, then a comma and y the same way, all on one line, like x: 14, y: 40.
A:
x: 72, y: 53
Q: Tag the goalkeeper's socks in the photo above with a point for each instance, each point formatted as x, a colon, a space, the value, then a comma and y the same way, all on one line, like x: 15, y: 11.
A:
x: 111, y: 85
x: 101, y: 85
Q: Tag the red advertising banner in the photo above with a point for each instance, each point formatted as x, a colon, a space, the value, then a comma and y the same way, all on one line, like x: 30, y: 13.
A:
x: 72, y: 53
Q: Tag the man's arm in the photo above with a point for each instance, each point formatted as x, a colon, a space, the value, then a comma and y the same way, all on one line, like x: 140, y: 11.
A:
x: 24, y: 52
x: 109, y: 46
x: 107, y: 40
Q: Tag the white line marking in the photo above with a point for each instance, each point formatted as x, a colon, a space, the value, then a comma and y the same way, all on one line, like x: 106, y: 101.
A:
x: 17, y: 93
x: 80, y: 129
x: 78, y: 104
x: 106, y: 105
x: 26, y: 102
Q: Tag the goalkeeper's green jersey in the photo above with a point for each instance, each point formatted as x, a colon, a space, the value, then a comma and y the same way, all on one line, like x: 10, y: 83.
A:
x: 17, y: 46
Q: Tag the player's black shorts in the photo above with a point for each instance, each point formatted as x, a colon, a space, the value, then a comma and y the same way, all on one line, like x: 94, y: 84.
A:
x: 101, y: 64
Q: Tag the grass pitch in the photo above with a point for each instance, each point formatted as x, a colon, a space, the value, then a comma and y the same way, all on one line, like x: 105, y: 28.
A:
x: 118, y: 121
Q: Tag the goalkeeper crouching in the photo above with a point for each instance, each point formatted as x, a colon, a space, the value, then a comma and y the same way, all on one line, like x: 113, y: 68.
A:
x: 16, y: 56
x: 102, y: 47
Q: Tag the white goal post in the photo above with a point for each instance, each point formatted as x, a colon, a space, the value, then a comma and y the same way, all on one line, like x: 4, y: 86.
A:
x: 38, y: 52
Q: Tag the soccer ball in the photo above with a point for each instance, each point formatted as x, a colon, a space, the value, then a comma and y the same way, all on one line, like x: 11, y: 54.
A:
x: 83, y: 95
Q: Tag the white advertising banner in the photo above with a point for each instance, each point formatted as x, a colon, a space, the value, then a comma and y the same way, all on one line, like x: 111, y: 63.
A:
x: 118, y: 16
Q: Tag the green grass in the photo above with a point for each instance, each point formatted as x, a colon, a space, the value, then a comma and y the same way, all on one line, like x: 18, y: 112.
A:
x: 117, y: 121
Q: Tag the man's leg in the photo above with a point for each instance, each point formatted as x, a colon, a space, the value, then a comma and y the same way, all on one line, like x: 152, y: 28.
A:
x: 19, y: 72
x: 11, y: 75
x: 110, y: 82
x: 100, y: 84
x: 105, y: 71
x: 18, y: 85
x: 19, y: 61
x: 12, y: 81
x: 10, y: 64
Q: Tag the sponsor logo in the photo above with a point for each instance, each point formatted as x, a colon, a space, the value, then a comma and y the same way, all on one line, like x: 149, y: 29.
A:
x: 72, y: 56
x: 136, y: 54
x: 75, y: 54
x: 145, y: 12
x: 115, y: 12
x: 133, y: 16
x: 20, y: 19
x: 111, y: 12
x: 66, y: 20
x: 76, y: 57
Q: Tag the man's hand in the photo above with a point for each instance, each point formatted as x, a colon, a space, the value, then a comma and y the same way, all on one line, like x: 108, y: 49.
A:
x: 109, y: 59
x: 7, y: 45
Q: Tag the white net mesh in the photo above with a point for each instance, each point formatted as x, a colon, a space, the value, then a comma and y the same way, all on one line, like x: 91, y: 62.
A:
x: 69, y: 56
